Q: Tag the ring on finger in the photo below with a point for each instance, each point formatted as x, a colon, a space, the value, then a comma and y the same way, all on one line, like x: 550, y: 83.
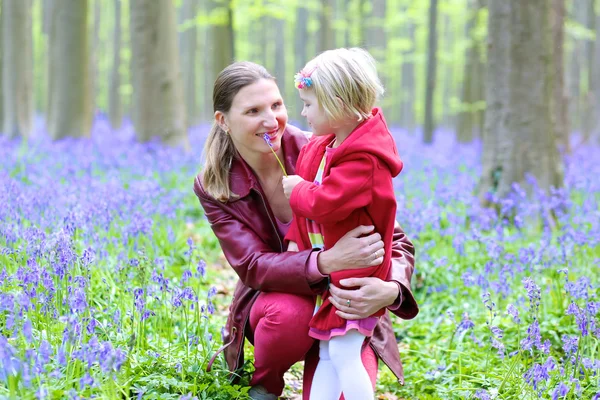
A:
x: 348, y: 302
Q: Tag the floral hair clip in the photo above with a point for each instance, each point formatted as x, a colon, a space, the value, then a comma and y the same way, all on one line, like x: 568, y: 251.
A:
x: 302, y: 79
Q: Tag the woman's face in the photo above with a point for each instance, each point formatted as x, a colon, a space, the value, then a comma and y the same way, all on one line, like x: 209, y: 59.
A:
x: 256, y: 109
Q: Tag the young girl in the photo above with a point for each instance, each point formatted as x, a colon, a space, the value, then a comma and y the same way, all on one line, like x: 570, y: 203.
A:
x: 344, y: 180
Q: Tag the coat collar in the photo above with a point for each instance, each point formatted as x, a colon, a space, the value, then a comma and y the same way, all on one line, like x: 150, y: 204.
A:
x: 241, y: 177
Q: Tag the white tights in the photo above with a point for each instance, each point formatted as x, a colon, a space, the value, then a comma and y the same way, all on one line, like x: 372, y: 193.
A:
x: 340, y: 370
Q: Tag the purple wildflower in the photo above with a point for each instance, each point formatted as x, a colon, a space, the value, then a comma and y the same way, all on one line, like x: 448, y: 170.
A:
x: 560, y: 391
x: 514, y: 313
x: 201, y: 268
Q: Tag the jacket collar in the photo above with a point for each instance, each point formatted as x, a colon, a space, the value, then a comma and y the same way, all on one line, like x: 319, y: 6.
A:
x: 241, y: 177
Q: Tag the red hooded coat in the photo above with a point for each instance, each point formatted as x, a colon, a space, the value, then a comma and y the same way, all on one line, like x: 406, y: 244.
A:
x: 357, y: 189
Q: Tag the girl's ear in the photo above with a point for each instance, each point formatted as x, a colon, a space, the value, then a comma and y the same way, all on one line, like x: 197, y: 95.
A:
x: 221, y: 120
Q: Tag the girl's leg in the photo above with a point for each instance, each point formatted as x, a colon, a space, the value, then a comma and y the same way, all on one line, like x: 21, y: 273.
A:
x: 279, y: 327
x: 325, y: 385
x: 345, y: 355
x: 369, y: 360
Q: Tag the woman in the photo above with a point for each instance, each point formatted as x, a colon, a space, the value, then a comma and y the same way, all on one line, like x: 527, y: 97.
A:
x: 241, y: 192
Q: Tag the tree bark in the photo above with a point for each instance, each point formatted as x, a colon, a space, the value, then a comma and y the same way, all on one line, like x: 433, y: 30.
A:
x: 70, y: 114
x: 429, y: 124
x: 408, y: 91
x: 470, y: 117
x: 376, y: 40
x: 115, y: 110
x: 159, y: 108
x: 519, y: 137
x: 596, y: 80
x: 188, y: 57
x: 559, y: 103
x: 221, y: 50
x: 279, y: 71
x: 94, y: 57
x: 17, y: 72
x: 326, y: 34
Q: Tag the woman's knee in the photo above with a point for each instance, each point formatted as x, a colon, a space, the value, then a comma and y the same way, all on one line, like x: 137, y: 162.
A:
x: 287, y: 310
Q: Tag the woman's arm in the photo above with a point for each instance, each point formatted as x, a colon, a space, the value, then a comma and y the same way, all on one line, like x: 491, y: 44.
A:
x: 372, y: 294
x: 257, y: 264
x: 261, y: 267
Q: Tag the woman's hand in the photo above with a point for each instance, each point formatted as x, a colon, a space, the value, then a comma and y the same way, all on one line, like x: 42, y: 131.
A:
x: 371, y: 295
x: 353, y: 251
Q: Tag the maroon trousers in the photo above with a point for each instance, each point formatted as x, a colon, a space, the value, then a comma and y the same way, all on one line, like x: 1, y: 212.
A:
x: 279, y: 332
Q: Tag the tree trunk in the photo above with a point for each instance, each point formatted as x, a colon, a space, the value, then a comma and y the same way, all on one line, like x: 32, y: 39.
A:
x: 519, y: 137
x: 326, y: 34
x: 574, y: 73
x: 17, y: 72
x: 469, y: 117
x: 596, y: 80
x: 115, y: 110
x: 94, y: 57
x: 446, y: 73
x: 408, y: 91
x: 159, y: 108
x: 1, y: 68
x: 221, y: 50
x: 376, y: 41
x: 279, y: 71
x: 429, y: 124
x: 300, y: 59
x: 70, y: 73
x: 188, y: 57
x: 559, y: 103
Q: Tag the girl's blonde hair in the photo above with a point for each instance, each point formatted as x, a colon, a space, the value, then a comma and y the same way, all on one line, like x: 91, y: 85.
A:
x: 219, y: 149
x: 349, y: 75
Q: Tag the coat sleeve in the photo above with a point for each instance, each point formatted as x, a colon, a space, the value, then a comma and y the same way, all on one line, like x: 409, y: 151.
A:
x: 403, y: 265
x: 345, y: 189
x: 258, y: 265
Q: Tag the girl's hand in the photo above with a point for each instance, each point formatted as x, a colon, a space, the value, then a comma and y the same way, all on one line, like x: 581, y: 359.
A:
x: 289, y: 183
x: 372, y: 295
x: 292, y: 246
x: 353, y: 251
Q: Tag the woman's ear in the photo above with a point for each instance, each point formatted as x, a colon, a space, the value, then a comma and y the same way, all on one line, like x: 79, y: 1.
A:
x: 221, y: 120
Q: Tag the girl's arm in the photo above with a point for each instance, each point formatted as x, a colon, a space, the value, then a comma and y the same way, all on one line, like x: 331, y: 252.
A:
x: 345, y: 189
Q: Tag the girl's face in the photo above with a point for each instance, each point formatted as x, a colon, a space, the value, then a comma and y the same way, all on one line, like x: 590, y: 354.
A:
x: 256, y: 109
x: 314, y: 113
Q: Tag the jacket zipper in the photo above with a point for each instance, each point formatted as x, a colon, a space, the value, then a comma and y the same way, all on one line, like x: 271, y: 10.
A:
x: 271, y: 220
x: 386, y: 364
x: 240, y: 348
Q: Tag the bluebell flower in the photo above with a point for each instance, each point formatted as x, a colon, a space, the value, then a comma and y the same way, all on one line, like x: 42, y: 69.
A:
x: 514, y: 313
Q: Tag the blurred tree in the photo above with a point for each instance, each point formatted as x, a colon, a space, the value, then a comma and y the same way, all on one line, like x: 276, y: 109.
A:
x: 158, y: 105
x: 17, y: 68
x: 1, y: 73
x: 115, y: 108
x: 519, y: 137
x: 429, y: 124
x: 596, y: 80
x: 69, y: 108
x: 408, y: 91
x: 375, y: 37
x: 187, y: 46
x: 278, y: 24
x: 326, y: 34
x: 559, y: 98
x: 469, y: 117
x: 95, y: 56
x: 222, y: 49
x: 300, y: 58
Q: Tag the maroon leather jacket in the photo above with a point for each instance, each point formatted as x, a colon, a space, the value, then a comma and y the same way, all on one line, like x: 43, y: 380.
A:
x: 246, y: 229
